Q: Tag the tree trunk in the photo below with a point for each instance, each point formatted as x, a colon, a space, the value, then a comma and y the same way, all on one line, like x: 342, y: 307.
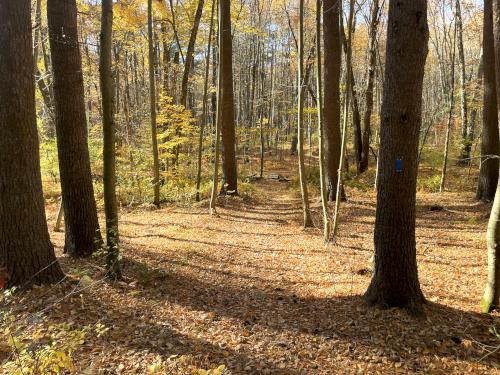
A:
x: 301, y: 84
x: 108, y: 127
x: 152, y: 108
x: 190, y: 52
x: 321, y: 145
x: 488, y: 174
x: 25, y: 248
x: 395, y: 280
x: 230, y: 177
x: 331, y: 116
x: 466, y: 133
x: 491, y: 297
x: 82, y: 233
x: 204, y: 111
x: 372, y: 61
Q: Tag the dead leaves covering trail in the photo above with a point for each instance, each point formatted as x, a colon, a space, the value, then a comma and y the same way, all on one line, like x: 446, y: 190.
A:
x: 252, y: 291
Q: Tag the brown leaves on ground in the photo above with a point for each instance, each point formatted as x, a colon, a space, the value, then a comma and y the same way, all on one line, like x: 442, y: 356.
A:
x: 251, y: 290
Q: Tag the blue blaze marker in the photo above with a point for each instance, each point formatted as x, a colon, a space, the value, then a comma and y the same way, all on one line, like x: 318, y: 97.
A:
x: 399, y: 165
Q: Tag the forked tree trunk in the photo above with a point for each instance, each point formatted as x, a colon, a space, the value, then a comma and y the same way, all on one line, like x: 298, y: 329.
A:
x: 488, y: 174
x: 228, y: 136
x: 82, y: 234
x: 395, y: 280
x: 25, y: 248
x: 204, y: 111
x: 331, y: 115
x: 108, y: 127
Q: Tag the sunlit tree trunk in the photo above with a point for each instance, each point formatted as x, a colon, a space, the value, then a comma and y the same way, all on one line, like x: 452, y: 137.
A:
x: 395, y: 279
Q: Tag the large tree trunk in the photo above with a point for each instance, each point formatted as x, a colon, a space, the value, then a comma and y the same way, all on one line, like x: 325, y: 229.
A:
x: 491, y: 297
x: 82, y: 234
x: 228, y: 136
x: 488, y: 175
x: 108, y: 127
x: 395, y: 279
x: 190, y: 53
x: 331, y: 115
x: 365, y: 144
x: 25, y: 248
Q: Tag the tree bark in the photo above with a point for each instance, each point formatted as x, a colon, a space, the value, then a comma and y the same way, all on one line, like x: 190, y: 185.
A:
x: 190, y: 52
x: 372, y: 61
x: 82, y: 233
x: 230, y: 178
x: 331, y: 116
x: 395, y: 280
x: 488, y: 174
x: 108, y: 127
x: 466, y: 131
x: 491, y: 297
x: 301, y: 84
x: 152, y: 108
x: 25, y: 248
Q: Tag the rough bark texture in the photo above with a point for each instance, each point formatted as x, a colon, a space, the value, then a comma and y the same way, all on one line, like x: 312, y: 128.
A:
x: 331, y: 115
x: 82, y: 235
x: 108, y: 127
x: 488, y: 175
x: 395, y: 279
x: 25, y: 248
x: 230, y: 181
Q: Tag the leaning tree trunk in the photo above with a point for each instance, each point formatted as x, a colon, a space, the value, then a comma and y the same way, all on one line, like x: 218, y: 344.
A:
x: 108, y: 127
x: 395, y: 279
x: 228, y: 136
x: 491, y: 297
x: 25, y: 248
x: 82, y: 234
x: 488, y: 175
x: 190, y: 53
x: 331, y: 112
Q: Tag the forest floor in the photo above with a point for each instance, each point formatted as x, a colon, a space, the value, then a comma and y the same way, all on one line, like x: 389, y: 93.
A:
x: 251, y: 290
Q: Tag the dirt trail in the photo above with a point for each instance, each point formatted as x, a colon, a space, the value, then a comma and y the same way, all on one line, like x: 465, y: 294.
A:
x: 252, y: 290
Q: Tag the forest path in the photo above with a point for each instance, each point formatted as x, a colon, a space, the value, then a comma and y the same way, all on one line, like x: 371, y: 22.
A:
x: 250, y: 289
